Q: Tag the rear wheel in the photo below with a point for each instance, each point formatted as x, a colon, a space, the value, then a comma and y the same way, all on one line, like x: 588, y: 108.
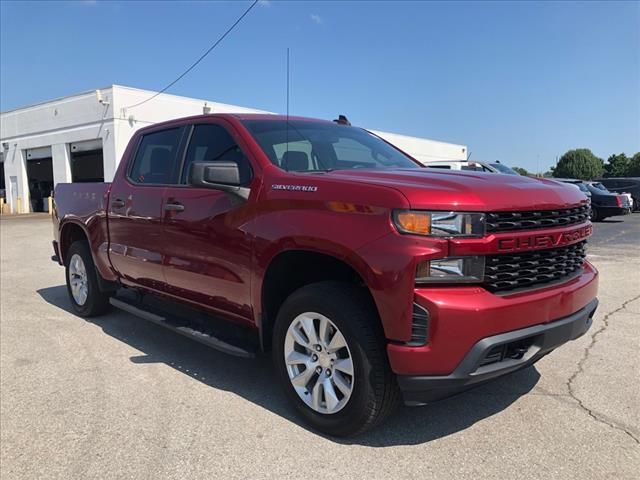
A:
x: 82, y: 282
x: 330, y: 357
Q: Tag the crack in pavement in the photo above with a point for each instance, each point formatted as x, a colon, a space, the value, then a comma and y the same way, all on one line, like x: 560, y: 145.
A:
x: 580, y: 369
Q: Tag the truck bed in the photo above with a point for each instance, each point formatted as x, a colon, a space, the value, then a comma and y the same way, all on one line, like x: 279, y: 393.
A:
x: 80, y: 200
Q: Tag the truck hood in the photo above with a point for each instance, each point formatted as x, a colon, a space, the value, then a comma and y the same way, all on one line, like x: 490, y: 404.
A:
x: 468, y: 191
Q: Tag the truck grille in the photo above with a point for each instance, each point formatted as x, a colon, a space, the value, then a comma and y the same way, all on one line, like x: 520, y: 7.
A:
x: 513, y: 221
x: 523, y: 270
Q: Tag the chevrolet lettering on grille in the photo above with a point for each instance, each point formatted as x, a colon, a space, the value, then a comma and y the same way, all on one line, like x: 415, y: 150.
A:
x: 546, y: 240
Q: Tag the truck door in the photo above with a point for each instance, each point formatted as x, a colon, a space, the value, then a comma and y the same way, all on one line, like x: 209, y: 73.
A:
x: 207, y: 252
x: 136, y: 209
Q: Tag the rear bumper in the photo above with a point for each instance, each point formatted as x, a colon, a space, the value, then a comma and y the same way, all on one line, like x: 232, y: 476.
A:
x: 607, y: 211
x: 496, y: 355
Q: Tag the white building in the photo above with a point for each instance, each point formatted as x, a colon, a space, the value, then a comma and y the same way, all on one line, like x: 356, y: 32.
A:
x: 82, y: 138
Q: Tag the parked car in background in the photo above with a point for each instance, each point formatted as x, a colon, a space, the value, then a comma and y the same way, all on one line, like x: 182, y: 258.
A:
x: 623, y: 201
x: 630, y: 185
x: 604, y: 204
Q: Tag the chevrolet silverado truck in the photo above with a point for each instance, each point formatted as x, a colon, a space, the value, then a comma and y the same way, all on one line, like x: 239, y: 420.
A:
x: 369, y: 278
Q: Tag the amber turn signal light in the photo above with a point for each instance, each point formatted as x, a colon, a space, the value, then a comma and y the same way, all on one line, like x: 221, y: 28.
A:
x: 413, y: 222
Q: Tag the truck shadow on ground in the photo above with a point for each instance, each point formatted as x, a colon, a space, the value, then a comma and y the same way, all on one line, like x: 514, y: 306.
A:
x: 254, y: 380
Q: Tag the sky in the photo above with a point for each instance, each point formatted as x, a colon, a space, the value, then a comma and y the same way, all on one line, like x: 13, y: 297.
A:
x: 517, y: 82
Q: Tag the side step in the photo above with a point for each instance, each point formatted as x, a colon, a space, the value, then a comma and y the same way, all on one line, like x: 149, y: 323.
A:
x: 197, y: 335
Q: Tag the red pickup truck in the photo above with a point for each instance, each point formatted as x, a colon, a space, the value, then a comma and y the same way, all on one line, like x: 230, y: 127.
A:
x: 370, y: 278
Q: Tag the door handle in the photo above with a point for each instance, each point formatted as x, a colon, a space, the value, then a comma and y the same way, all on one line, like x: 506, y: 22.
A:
x: 117, y: 203
x: 174, y: 207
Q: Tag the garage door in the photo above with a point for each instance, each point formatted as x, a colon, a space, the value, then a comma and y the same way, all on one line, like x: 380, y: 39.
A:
x: 87, y: 163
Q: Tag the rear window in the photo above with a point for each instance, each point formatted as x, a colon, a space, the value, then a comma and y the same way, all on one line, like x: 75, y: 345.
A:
x: 156, y: 157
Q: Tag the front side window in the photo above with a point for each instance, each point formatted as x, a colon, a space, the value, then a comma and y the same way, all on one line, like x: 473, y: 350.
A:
x: 156, y: 157
x: 308, y: 146
x: 212, y: 143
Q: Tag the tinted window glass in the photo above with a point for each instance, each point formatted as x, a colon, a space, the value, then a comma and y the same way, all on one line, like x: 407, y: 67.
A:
x: 212, y: 143
x: 502, y: 168
x: 156, y: 157
x: 300, y: 145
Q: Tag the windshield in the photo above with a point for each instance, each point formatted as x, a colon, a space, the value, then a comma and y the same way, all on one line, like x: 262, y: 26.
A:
x: 600, y: 186
x: 504, y: 169
x: 307, y: 146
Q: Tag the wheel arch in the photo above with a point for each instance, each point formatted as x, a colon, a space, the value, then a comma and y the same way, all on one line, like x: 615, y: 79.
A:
x: 72, y: 231
x: 294, y: 268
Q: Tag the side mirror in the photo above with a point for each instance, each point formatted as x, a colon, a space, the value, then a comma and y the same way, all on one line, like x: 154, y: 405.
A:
x: 223, y: 176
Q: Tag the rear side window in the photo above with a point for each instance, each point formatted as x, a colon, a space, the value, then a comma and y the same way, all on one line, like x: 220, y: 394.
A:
x: 213, y: 143
x: 156, y: 157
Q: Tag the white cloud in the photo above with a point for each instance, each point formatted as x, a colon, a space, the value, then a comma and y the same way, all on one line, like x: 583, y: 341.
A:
x: 264, y: 3
x: 316, y: 18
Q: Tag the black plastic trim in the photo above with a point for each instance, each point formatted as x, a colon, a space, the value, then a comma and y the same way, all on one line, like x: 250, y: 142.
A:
x: 422, y: 389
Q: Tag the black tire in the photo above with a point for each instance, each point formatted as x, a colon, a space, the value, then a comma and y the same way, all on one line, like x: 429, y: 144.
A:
x: 97, y: 301
x: 375, y: 391
x: 595, y: 215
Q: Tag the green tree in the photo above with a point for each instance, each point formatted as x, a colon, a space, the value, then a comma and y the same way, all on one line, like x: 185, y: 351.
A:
x: 580, y: 163
x: 633, y: 170
x: 522, y: 171
x: 617, y: 166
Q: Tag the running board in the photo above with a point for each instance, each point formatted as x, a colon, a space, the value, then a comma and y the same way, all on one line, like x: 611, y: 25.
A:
x: 201, y: 337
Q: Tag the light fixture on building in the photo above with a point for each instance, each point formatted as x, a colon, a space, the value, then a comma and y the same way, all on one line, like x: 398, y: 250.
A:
x: 206, y: 109
x: 103, y: 101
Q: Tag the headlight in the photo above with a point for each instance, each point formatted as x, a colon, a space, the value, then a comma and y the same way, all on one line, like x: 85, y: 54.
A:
x: 451, y: 270
x: 439, y: 224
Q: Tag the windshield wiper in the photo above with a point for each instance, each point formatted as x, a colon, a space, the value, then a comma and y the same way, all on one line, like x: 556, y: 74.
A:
x: 319, y: 170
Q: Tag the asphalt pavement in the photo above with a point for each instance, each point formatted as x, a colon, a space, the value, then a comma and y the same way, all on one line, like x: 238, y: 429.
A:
x: 117, y: 397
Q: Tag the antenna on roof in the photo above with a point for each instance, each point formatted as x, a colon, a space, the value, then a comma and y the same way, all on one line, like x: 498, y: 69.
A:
x: 287, y: 123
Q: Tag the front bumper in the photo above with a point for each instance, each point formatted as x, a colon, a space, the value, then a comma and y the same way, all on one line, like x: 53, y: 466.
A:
x: 498, y: 355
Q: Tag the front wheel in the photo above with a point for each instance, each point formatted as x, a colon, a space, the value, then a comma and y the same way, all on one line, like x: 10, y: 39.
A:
x: 330, y: 357
x: 82, y: 282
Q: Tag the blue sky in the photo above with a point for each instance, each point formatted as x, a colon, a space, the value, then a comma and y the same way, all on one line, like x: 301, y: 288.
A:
x: 517, y: 82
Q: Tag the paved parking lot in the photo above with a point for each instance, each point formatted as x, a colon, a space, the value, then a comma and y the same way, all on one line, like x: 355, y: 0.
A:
x: 120, y: 398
